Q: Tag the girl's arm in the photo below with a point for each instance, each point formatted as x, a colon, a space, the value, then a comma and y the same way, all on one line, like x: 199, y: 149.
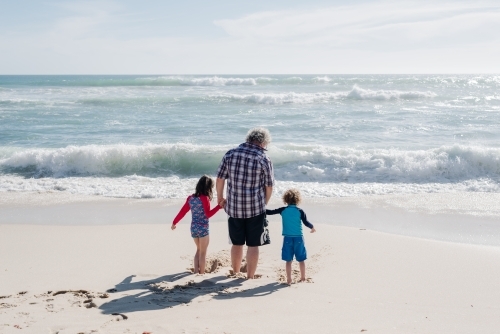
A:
x: 206, y: 206
x: 185, y: 209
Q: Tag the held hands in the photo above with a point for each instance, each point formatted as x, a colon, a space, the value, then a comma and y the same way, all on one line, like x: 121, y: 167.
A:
x: 173, y: 227
x: 222, y: 202
x: 313, y: 230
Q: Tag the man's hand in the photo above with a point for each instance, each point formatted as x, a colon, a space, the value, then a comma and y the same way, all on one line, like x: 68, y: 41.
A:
x: 173, y: 227
x: 313, y: 230
x: 222, y: 203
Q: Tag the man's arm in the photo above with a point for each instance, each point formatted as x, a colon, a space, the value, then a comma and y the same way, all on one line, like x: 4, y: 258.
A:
x: 219, y: 186
x: 267, y: 167
x: 269, y: 193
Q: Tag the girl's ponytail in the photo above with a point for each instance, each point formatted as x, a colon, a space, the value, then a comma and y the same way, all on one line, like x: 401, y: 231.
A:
x: 204, y: 187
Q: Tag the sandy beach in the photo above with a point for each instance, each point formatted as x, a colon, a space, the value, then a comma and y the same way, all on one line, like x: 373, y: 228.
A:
x: 87, y: 265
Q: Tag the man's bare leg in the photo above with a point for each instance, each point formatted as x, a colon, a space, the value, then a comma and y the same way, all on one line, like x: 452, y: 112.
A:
x: 236, y: 257
x: 252, y: 260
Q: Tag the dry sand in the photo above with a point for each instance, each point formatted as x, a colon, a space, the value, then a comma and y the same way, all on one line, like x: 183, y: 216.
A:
x: 106, y: 277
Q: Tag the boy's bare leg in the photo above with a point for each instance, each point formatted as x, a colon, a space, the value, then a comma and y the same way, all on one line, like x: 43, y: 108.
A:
x: 202, y: 254
x: 236, y: 257
x: 252, y: 260
x: 302, y: 266
x: 289, y: 272
x: 196, y: 260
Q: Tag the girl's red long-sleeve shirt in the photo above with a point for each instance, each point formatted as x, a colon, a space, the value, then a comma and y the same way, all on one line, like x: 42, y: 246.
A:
x: 206, y: 208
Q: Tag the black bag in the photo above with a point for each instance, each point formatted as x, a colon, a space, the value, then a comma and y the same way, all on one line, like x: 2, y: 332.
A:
x: 265, y: 238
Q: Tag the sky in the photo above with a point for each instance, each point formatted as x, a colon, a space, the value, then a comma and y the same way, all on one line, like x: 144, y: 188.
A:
x: 249, y: 37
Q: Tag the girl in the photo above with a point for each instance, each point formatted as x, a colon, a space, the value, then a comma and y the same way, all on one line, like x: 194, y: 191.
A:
x: 199, y: 204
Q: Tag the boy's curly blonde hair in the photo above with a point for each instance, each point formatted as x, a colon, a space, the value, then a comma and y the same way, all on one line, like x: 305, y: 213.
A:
x: 292, y: 196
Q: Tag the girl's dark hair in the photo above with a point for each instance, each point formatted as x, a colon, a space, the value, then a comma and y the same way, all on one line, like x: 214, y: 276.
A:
x: 204, y: 187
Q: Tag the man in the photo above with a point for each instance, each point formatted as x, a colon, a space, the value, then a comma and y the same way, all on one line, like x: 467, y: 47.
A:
x: 249, y: 187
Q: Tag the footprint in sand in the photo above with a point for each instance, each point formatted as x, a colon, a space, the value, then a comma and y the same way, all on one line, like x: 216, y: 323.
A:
x: 312, y: 267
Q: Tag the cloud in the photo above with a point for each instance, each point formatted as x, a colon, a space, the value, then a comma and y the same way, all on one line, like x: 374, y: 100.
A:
x: 373, y: 37
x: 376, y: 25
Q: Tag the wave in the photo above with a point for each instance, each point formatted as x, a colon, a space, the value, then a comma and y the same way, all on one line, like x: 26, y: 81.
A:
x: 170, y: 80
x: 448, y: 164
x: 458, y: 81
x: 445, y: 164
x: 113, y: 97
x: 203, y: 81
x: 324, y: 79
x: 356, y: 93
x: 112, y: 160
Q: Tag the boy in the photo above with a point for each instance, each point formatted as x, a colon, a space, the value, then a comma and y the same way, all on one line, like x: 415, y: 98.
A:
x: 293, y: 241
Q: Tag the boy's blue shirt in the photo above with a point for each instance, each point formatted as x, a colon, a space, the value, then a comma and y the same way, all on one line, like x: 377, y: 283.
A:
x: 291, y: 217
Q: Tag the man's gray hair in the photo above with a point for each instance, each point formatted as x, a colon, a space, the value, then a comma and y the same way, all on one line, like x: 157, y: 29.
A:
x: 259, y: 136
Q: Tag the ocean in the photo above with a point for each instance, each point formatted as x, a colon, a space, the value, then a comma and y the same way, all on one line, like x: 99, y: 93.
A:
x: 150, y: 136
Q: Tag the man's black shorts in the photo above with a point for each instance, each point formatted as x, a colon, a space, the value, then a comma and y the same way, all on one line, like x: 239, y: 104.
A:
x: 247, y: 230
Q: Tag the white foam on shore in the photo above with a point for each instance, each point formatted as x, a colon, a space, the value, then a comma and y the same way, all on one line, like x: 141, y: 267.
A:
x: 140, y: 187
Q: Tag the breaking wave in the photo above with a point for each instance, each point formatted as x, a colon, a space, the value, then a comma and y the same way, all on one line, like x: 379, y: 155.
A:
x: 171, y: 170
x: 292, y: 162
x: 356, y: 93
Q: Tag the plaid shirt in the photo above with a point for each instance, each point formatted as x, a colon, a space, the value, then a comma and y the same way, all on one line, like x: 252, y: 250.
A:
x: 249, y: 171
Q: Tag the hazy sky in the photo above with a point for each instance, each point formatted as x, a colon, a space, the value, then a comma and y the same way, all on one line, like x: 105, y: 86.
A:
x: 237, y: 37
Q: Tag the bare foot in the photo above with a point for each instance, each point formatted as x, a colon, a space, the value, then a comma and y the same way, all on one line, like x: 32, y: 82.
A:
x: 232, y: 274
x: 306, y: 280
x: 255, y: 276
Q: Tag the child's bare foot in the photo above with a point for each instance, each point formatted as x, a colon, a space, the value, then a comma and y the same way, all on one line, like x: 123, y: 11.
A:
x: 255, y: 276
x: 232, y: 274
x: 306, y: 280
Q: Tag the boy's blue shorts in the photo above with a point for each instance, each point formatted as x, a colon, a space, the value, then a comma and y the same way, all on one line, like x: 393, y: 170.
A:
x: 293, y: 246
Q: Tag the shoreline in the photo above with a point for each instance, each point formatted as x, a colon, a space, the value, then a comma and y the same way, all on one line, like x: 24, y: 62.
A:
x: 468, y: 218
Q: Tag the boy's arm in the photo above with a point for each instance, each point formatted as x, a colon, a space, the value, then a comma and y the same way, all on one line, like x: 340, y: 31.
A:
x: 275, y: 211
x: 304, y: 219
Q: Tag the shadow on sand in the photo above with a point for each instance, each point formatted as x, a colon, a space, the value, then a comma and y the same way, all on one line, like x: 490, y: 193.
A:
x: 162, y: 292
